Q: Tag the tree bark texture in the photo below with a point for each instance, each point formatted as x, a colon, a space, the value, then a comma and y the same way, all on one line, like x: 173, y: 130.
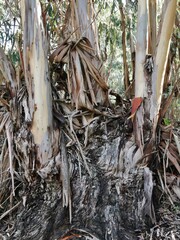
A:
x: 107, y: 205
x: 37, y: 79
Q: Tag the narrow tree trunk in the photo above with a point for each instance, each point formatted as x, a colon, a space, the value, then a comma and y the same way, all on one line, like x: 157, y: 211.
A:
x: 125, y: 64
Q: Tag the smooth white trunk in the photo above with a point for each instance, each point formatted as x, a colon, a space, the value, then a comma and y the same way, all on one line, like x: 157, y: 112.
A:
x: 141, y: 47
x: 36, y: 75
x: 161, y: 57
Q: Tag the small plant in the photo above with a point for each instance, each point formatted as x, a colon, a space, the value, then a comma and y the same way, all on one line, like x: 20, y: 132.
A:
x: 166, y: 121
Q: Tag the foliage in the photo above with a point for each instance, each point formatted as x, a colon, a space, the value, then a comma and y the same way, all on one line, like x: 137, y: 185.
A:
x: 9, y: 23
x: 110, y: 35
x: 166, y: 121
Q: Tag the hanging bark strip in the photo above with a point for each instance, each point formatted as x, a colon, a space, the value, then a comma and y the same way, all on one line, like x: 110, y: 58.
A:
x: 8, y: 73
x: 65, y: 176
x: 83, y: 18
x: 9, y: 76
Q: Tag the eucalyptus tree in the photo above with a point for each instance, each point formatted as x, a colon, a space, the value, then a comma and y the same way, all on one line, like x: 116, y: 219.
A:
x: 83, y: 161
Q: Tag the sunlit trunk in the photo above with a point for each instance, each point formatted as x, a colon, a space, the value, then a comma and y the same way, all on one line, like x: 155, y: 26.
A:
x: 140, y: 80
x: 161, y: 57
x: 37, y: 77
x: 141, y: 49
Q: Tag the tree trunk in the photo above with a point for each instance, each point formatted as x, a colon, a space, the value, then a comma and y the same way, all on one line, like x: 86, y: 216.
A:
x: 81, y: 173
x: 36, y: 73
x: 107, y: 205
x: 161, y: 58
x: 125, y: 64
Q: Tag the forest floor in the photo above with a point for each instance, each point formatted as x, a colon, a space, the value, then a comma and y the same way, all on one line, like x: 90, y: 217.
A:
x: 168, y: 224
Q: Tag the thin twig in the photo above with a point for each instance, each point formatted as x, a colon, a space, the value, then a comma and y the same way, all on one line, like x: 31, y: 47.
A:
x: 9, y: 211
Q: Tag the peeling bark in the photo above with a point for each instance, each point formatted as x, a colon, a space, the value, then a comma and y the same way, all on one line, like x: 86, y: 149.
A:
x: 91, y: 181
x: 108, y: 205
x: 8, y: 72
x: 37, y: 77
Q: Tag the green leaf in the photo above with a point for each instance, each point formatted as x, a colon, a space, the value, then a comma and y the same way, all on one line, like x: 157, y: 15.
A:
x: 166, y: 121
